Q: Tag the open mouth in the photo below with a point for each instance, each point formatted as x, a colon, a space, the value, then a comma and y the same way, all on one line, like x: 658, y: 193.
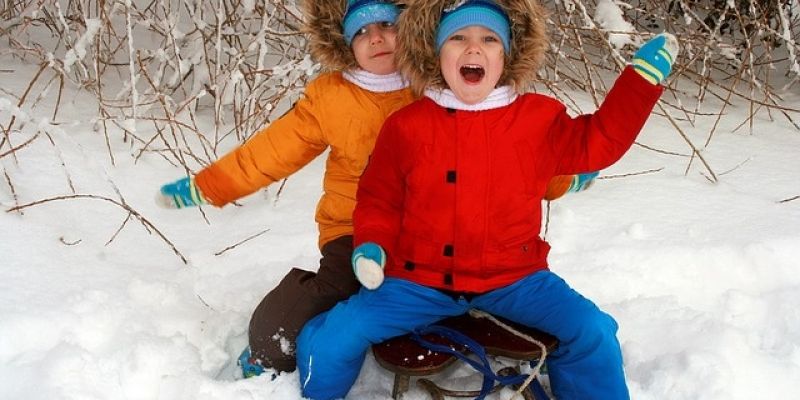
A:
x: 472, y: 73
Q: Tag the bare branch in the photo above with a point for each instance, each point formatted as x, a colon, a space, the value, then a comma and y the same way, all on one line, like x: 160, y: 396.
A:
x: 790, y: 199
x: 646, y: 172
x: 219, y: 253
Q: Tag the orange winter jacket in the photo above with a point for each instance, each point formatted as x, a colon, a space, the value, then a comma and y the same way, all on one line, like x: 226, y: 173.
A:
x: 335, y: 114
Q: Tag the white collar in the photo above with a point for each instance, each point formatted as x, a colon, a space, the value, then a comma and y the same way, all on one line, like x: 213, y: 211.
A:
x: 499, y: 97
x: 374, y: 82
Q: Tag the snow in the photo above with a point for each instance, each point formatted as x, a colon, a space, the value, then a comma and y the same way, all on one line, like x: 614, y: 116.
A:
x: 702, y: 277
x: 610, y: 18
x: 79, y: 51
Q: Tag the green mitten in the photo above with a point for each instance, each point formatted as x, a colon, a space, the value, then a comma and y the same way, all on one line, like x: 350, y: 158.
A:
x: 179, y: 194
x: 654, y: 59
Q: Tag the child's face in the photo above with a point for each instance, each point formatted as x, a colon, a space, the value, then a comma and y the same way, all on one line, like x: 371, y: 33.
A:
x: 373, y: 46
x: 472, y: 63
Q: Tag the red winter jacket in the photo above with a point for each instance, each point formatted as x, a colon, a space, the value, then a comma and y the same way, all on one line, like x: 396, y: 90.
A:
x: 454, y: 197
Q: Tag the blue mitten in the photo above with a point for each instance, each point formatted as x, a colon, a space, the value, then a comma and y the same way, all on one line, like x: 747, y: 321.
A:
x: 250, y: 365
x: 582, y: 181
x: 368, y: 261
x: 654, y: 59
x: 179, y: 194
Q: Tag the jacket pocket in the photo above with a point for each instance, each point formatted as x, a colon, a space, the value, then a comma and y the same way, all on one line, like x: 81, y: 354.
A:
x: 520, y: 250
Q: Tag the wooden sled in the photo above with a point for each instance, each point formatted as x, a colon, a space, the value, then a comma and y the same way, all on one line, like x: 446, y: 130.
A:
x: 406, y: 358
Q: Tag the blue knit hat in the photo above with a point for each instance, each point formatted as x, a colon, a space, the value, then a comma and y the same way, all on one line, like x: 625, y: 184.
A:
x: 485, y: 13
x: 361, y: 13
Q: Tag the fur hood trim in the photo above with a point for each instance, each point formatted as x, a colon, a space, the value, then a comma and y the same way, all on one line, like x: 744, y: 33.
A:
x: 323, y: 27
x: 418, y: 61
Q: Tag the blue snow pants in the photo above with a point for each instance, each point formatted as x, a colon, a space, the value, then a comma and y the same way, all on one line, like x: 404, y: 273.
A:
x: 587, y: 364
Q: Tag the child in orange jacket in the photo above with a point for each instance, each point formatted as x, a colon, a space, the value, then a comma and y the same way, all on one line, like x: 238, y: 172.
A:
x: 342, y: 110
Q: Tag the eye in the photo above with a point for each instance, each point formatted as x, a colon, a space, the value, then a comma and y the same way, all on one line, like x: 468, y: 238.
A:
x: 458, y: 38
x: 361, y: 31
x: 490, y: 39
x: 387, y: 24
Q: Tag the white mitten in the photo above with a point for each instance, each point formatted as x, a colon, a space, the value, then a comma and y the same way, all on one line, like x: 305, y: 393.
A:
x: 368, y: 261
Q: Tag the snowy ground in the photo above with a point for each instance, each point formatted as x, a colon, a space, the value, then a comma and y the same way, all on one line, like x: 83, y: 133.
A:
x: 702, y: 278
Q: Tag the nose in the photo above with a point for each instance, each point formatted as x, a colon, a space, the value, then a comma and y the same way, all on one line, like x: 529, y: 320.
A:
x: 375, y: 35
x: 473, y: 46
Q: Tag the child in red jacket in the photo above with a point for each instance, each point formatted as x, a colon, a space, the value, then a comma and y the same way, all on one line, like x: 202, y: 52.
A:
x: 449, y: 208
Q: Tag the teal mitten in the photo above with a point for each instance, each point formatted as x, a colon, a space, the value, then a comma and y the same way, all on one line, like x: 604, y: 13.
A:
x: 368, y: 261
x: 250, y: 365
x: 654, y: 59
x: 582, y: 181
x: 179, y: 194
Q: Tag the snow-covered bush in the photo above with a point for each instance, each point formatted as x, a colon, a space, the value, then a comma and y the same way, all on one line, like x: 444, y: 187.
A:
x: 162, y: 65
x: 727, y: 46
x: 158, y: 66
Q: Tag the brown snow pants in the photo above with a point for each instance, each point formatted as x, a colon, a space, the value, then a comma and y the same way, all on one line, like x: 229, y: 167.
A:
x: 300, y: 296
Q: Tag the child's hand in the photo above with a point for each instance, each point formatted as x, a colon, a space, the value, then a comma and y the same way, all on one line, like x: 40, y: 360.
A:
x: 179, y: 194
x: 563, y: 184
x: 582, y: 181
x: 368, y: 261
x: 654, y: 59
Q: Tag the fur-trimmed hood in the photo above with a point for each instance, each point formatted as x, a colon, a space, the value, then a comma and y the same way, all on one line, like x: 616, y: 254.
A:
x: 418, y: 61
x: 323, y: 27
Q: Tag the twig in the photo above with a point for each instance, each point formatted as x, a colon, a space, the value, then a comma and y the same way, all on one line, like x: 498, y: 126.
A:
x: 14, y: 149
x: 205, y: 303
x: 121, y: 226
x: 695, y: 152
x: 649, y: 171
x: 66, y: 243
x: 736, y: 167
x: 7, y: 129
x: 280, y: 190
x: 11, y: 186
x: 546, y: 220
x: 58, y: 99
x: 61, y: 159
x: 219, y: 253
x: 789, y: 199
x: 671, y: 153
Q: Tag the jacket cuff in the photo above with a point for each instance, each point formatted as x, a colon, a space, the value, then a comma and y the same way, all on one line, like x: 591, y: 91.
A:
x: 633, y: 80
x: 385, y: 241
x: 216, y: 186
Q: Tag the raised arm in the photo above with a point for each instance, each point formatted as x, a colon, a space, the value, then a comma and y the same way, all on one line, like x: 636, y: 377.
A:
x: 591, y: 142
